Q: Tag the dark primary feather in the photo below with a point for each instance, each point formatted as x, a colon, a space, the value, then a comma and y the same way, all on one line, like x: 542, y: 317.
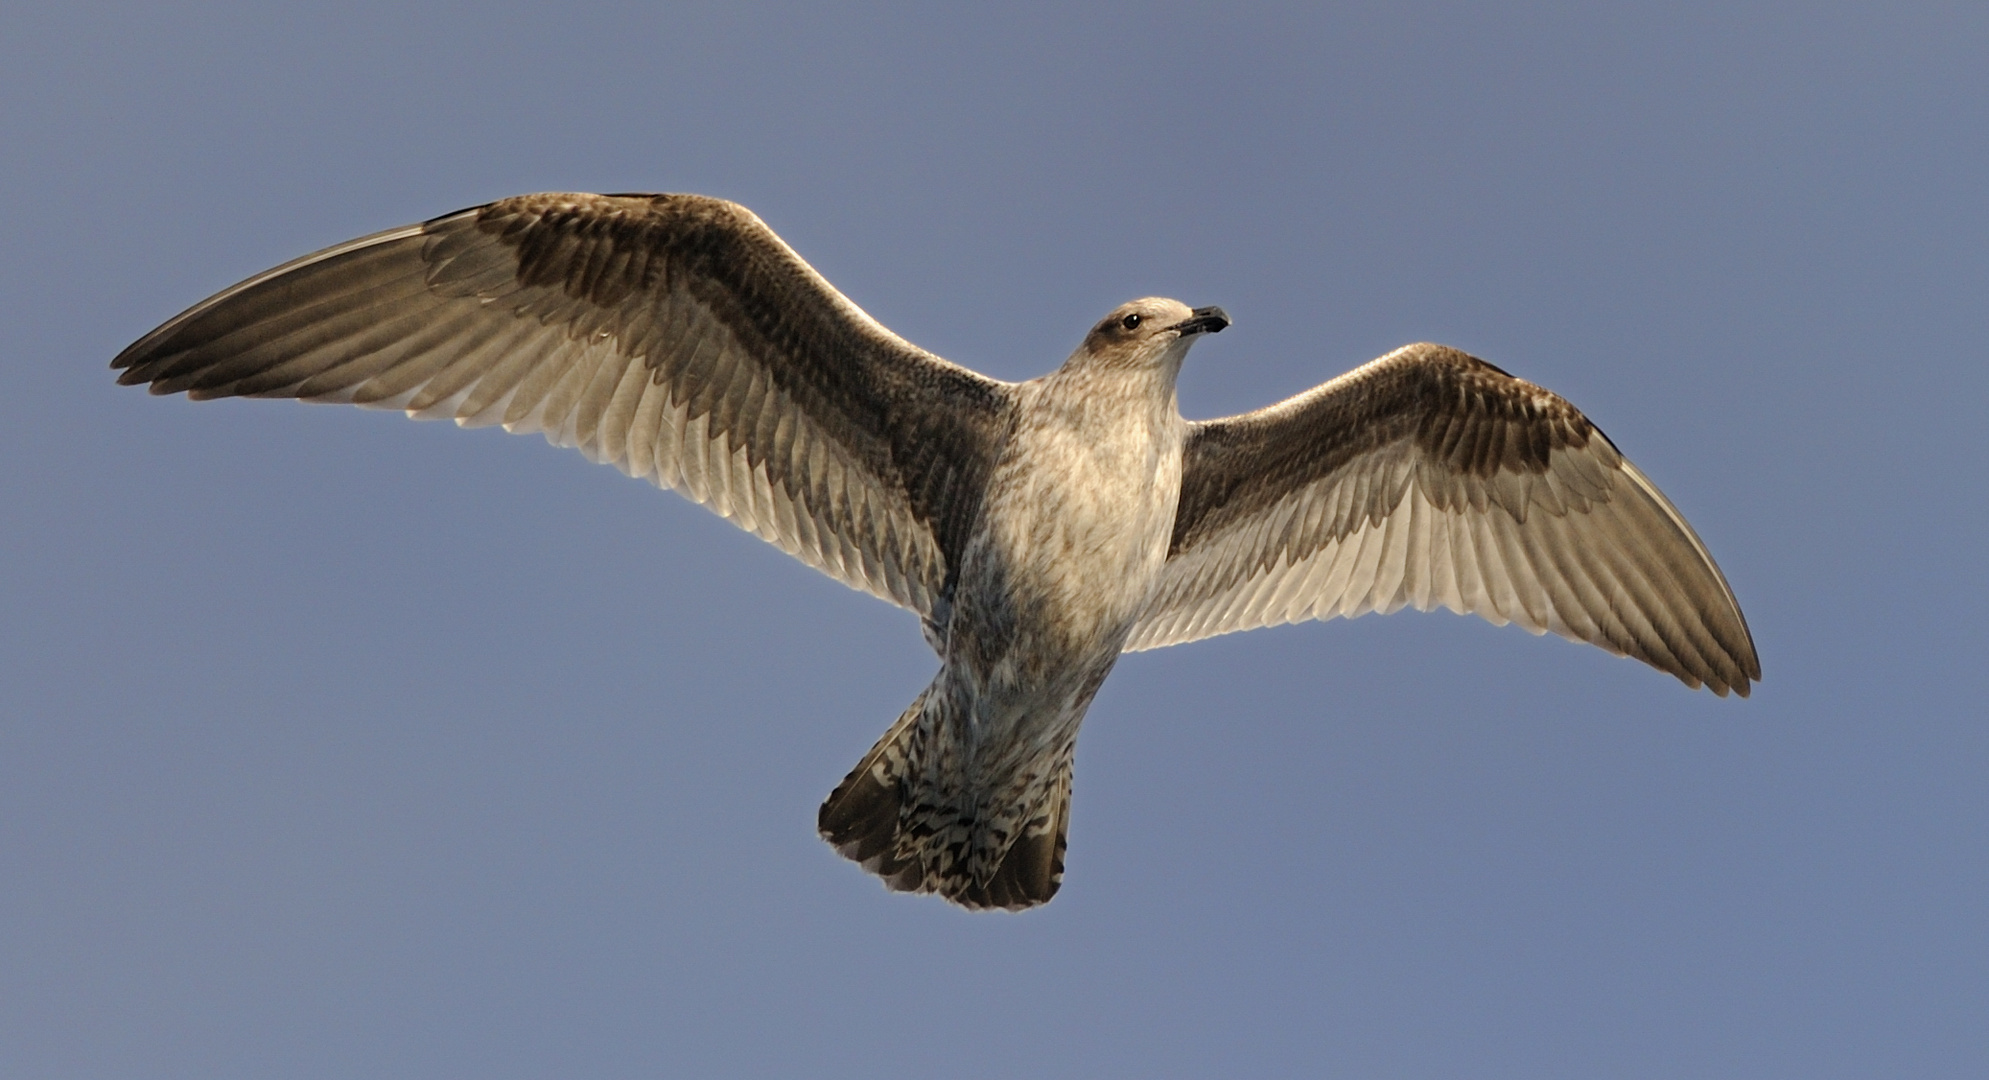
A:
x: 1428, y: 478
x: 674, y: 336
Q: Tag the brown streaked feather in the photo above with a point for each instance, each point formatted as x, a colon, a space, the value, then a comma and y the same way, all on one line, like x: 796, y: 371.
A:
x: 1431, y: 478
x: 674, y: 336
x: 887, y: 817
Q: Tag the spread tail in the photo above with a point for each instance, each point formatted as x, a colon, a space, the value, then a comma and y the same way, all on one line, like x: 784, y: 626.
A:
x: 911, y: 814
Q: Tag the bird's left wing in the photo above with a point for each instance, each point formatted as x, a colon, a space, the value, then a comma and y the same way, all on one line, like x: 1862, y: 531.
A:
x: 674, y: 336
x: 1431, y: 478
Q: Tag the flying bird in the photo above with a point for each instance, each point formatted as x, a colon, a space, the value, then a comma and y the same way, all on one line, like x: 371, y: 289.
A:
x: 1038, y: 529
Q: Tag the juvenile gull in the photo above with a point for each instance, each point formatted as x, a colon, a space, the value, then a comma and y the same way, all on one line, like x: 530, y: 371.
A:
x: 1038, y: 529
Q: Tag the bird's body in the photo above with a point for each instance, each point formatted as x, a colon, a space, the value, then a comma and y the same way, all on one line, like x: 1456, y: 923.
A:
x: 1038, y: 529
x: 1072, y: 537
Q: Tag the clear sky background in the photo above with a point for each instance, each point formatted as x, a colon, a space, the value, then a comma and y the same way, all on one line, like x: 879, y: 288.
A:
x: 335, y: 745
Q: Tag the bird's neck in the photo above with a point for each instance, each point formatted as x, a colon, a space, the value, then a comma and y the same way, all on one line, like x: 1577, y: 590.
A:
x: 1109, y: 397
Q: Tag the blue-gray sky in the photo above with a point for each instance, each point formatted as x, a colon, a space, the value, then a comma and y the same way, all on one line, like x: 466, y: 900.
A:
x: 336, y: 745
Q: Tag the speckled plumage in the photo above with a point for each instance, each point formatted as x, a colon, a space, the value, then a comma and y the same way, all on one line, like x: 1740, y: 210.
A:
x: 1037, y: 529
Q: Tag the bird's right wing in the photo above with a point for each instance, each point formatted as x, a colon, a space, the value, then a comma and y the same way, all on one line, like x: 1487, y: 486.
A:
x: 1431, y: 478
x: 673, y: 336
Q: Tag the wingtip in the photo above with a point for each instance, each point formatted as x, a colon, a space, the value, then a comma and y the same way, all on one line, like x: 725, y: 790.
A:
x: 1750, y: 667
x: 1742, y: 687
x: 127, y: 363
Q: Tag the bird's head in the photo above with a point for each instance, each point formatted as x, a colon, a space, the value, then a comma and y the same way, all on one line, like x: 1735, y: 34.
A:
x: 1148, y: 334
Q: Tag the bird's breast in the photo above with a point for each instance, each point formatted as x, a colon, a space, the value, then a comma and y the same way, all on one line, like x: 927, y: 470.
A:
x: 1076, y: 525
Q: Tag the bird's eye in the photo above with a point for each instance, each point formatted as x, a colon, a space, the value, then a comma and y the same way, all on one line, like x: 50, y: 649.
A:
x: 1130, y: 322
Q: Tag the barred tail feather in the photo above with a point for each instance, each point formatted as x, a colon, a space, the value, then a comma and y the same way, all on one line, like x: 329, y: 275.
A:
x: 860, y: 818
x: 1033, y: 870
x: 921, y: 829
